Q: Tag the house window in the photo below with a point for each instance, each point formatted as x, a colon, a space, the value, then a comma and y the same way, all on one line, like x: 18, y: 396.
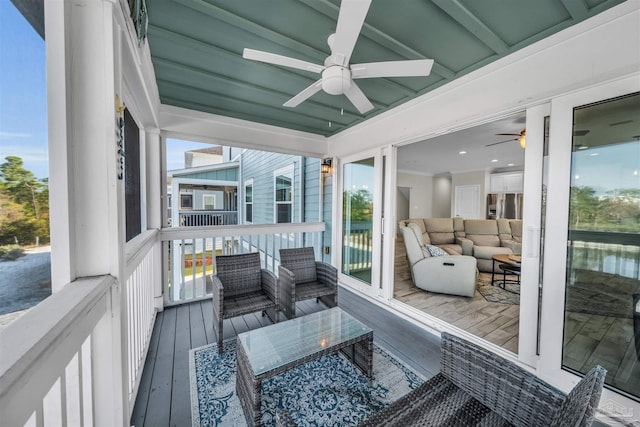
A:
x: 209, y: 202
x: 248, y: 201
x: 284, y: 195
x: 186, y: 201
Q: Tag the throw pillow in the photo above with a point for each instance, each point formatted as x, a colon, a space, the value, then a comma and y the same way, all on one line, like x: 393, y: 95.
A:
x: 436, y: 251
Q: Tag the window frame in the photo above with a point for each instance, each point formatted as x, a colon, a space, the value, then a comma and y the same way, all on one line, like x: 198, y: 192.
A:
x: 287, y: 171
x: 248, y: 183
x: 182, y: 206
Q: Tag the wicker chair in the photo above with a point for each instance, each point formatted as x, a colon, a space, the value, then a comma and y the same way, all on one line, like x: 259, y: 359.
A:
x: 240, y: 286
x: 478, y: 387
x: 302, y: 277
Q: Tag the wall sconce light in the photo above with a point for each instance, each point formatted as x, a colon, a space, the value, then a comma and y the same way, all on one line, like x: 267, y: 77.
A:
x: 325, y: 168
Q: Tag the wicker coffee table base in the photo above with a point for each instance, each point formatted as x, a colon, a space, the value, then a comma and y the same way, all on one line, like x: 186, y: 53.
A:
x: 249, y: 387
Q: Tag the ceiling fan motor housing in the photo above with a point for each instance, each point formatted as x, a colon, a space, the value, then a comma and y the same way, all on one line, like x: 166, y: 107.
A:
x: 336, y: 80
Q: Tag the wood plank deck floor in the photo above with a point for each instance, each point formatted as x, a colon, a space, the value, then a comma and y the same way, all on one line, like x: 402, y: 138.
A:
x: 164, y: 395
x: 589, y: 339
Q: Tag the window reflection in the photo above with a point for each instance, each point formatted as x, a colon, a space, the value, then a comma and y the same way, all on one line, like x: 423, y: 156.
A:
x: 358, y: 219
x: 603, y: 266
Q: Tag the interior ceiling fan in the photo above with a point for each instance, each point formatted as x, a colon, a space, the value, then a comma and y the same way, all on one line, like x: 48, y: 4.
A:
x: 521, y: 137
x: 337, y: 73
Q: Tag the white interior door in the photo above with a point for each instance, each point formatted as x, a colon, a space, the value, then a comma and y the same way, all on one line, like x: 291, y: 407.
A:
x: 467, y: 201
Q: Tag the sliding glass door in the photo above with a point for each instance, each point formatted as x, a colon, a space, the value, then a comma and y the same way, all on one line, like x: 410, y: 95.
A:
x: 361, y: 240
x: 592, y: 241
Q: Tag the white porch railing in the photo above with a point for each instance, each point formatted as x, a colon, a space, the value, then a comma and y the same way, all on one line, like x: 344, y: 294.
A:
x: 207, y: 218
x: 51, y: 363
x: 190, y: 252
x: 77, y: 357
x: 142, y: 274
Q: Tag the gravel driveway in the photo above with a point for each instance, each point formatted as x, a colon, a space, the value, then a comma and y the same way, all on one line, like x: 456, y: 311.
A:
x: 25, y: 282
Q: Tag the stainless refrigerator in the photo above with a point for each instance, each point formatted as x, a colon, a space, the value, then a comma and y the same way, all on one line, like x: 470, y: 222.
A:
x: 504, y: 205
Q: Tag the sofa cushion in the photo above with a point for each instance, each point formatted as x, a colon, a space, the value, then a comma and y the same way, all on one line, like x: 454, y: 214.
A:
x: 419, y: 222
x: 436, y: 251
x: 484, y: 239
x: 481, y: 226
x: 423, y: 238
x: 516, y: 230
x: 451, y: 249
x: 504, y: 229
x: 416, y: 232
x: 487, y: 252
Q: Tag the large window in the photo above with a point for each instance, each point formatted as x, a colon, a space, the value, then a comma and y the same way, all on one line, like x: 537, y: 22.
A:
x: 284, y: 195
x: 248, y: 201
x: 602, y: 313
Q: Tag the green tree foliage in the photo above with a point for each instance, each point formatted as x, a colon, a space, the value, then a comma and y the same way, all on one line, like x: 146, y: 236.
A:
x: 24, y: 204
x: 361, y: 205
x: 617, y: 211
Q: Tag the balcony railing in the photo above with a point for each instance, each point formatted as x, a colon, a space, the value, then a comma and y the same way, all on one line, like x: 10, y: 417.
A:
x: 77, y: 357
x: 190, y: 252
x: 607, y: 252
x: 207, y: 218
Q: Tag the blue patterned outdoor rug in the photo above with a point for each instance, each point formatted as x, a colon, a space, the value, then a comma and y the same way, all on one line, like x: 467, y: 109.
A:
x: 329, y: 391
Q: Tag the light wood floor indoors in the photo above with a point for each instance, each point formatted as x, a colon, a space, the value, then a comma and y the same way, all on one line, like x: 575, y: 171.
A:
x: 164, y: 396
x: 589, y: 339
x: 497, y: 323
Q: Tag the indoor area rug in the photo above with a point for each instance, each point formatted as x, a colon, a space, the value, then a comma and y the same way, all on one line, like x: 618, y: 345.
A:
x: 329, y: 391
x: 495, y: 293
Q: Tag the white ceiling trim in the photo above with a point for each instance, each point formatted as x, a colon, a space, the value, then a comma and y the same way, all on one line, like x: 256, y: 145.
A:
x: 182, y: 123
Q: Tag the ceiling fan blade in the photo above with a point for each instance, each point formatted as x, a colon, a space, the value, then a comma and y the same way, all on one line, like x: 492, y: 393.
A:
x: 501, y: 142
x: 272, y: 58
x: 358, y: 98
x: 509, y: 134
x: 304, y: 95
x: 418, y: 67
x: 350, y: 21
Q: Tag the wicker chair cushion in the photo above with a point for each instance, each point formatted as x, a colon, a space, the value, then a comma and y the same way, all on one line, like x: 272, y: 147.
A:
x: 313, y: 289
x: 246, y: 303
x: 239, y: 274
x: 301, y: 261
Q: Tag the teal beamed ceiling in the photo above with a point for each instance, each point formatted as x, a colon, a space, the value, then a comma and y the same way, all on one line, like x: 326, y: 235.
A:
x: 197, y: 45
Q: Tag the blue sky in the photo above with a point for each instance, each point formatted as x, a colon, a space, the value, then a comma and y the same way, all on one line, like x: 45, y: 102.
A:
x: 23, y: 94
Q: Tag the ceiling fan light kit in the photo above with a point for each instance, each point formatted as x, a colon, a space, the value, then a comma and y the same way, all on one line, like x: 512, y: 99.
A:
x: 336, y: 80
x: 337, y: 74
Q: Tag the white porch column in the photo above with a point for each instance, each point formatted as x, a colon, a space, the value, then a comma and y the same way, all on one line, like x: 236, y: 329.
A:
x: 87, y: 221
x: 155, y: 205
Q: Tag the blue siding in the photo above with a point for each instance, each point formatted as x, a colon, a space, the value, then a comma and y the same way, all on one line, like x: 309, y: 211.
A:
x: 312, y: 189
x: 260, y: 165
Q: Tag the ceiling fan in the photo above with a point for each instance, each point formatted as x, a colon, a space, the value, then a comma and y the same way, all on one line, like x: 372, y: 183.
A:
x: 337, y: 73
x: 521, y: 137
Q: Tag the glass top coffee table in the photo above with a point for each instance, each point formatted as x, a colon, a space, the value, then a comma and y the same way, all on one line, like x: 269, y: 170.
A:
x: 266, y: 352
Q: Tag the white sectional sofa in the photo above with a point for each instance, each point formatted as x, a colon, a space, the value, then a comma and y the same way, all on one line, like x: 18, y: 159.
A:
x: 454, y: 275
x: 480, y: 238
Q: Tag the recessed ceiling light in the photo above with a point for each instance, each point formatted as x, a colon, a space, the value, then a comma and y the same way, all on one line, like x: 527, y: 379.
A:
x: 462, y: 152
x: 511, y: 164
x: 584, y: 147
x: 494, y: 160
x: 594, y: 154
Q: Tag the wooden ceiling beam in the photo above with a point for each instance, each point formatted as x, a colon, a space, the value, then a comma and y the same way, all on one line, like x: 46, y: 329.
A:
x: 473, y: 24
x: 385, y: 40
